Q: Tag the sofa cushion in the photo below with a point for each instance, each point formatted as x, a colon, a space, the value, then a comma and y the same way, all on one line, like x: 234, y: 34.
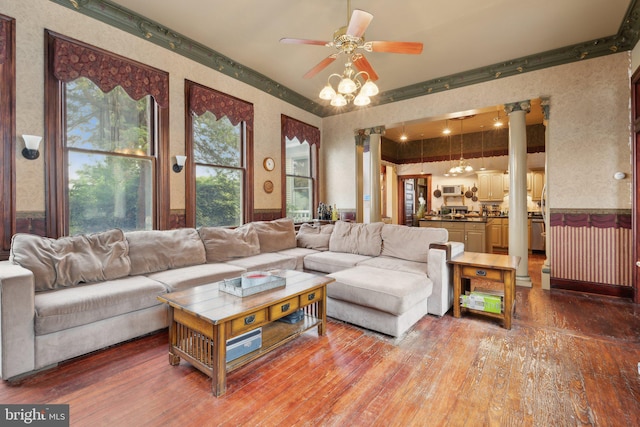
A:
x: 411, y: 243
x: 391, y: 263
x: 224, y: 244
x: 80, y: 305
x: 314, y: 237
x: 329, y: 262
x: 196, y: 275
x: 390, y: 291
x: 157, y: 250
x: 268, y: 261
x: 357, y: 238
x: 67, y: 261
x: 299, y: 254
x: 276, y: 235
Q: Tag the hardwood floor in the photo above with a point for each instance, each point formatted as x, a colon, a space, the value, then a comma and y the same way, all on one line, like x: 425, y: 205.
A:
x: 569, y: 359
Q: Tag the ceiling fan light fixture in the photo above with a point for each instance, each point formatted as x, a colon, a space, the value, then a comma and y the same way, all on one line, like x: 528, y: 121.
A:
x: 347, y: 85
x: 369, y: 88
x: 327, y: 93
x: 361, y: 100
x: 339, y: 100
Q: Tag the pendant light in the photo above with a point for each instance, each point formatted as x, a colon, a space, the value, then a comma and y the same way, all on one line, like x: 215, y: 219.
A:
x: 463, y: 165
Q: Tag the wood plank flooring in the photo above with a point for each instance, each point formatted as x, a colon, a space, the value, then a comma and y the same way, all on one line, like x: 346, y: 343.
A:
x: 570, y: 359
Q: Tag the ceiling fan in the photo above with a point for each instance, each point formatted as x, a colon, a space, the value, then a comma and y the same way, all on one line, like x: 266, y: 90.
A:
x: 350, y: 38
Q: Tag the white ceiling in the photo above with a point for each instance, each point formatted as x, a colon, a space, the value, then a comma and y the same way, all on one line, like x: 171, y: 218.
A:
x: 458, y: 35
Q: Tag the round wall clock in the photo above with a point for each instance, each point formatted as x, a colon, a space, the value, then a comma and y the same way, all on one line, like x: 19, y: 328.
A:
x: 268, y: 186
x: 269, y: 164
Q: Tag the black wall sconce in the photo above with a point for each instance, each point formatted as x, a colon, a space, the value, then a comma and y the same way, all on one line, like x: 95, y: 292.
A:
x: 179, y: 164
x: 31, y: 145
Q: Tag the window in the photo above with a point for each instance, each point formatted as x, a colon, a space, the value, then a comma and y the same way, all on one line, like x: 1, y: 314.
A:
x: 107, y: 118
x: 7, y: 131
x: 301, y: 142
x: 299, y: 182
x: 109, y: 153
x: 219, y: 139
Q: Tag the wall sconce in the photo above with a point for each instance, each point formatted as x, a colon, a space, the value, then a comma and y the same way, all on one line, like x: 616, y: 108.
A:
x: 179, y: 164
x: 31, y: 144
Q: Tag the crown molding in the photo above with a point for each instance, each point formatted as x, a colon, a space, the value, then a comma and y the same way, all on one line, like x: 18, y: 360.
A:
x: 126, y: 20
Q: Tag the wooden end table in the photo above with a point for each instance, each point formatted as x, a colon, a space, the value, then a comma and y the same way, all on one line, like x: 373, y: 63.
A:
x: 492, y: 267
x: 202, y: 319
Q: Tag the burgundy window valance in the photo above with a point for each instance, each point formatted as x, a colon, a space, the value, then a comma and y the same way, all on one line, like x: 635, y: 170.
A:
x: 292, y: 128
x: 219, y: 104
x: 73, y: 59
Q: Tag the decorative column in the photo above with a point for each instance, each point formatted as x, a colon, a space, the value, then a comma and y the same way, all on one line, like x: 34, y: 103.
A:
x: 518, y: 225
x: 546, y: 213
x: 368, y: 160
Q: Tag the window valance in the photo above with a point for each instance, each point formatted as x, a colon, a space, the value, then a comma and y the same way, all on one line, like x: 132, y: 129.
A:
x: 220, y: 104
x: 292, y: 128
x: 73, y: 59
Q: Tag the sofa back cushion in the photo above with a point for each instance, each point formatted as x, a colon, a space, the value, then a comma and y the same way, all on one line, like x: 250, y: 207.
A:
x: 276, y: 235
x: 224, y: 244
x: 314, y: 237
x: 158, y: 250
x: 356, y: 238
x: 410, y: 243
x: 67, y: 261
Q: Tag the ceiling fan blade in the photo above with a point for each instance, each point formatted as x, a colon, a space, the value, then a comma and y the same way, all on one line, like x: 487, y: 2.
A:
x: 363, y: 64
x: 321, y: 66
x: 412, y: 48
x: 303, y: 41
x: 359, y: 22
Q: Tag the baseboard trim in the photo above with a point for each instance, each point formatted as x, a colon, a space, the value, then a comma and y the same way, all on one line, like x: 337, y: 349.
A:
x: 593, y: 288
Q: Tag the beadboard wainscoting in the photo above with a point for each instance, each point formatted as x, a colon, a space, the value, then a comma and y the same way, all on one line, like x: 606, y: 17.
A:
x: 592, y: 252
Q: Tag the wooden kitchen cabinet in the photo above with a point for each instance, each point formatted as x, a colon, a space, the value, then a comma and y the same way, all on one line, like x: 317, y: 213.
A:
x: 490, y: 186
x: 537, y: 184
x: 475, y: 236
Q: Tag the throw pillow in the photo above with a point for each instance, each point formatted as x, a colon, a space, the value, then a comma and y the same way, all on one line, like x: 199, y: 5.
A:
x: 67, y: 261
x: 313, y: 237
x: 158, y: 250
x: 224, y: 244
x: 276, y: 235
x: 356, y: 238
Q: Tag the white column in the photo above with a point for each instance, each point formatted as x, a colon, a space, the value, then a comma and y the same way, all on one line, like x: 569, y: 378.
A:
x: 368, y: 161
x: 518, y: 225
x: 546, y: 266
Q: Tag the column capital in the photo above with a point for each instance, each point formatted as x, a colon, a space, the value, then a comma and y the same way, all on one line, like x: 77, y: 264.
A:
x: 546, y: 105
x: 518, y: 106
x: 362, y: 135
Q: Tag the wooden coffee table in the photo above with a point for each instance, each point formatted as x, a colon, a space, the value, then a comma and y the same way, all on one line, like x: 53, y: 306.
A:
x: 202, y: 319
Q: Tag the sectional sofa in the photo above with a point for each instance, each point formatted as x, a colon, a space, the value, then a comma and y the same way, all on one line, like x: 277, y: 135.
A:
x: 61, y: 298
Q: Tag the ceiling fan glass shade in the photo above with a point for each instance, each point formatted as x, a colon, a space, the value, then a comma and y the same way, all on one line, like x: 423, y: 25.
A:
x: 339, y: 100
x: 369, y: 88
x: 347, y: 85
x: 362, y: 100
x: 327, y: 93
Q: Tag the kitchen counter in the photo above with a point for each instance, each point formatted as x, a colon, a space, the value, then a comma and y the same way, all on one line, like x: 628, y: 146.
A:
x: 448, y: 219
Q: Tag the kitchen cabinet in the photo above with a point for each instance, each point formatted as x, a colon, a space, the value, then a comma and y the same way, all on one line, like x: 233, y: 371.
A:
x: 490, y: 186
x: 499, y: 234
x: 537, y: 183
x: 472, y: 234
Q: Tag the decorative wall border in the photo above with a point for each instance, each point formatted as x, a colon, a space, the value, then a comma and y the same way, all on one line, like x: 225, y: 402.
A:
x: 126, y: 20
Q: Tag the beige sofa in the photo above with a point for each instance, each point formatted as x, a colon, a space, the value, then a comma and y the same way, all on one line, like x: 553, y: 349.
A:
x: 61, y: 298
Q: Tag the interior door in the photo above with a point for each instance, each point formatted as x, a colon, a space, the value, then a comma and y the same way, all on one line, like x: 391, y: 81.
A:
x: 409, y: 201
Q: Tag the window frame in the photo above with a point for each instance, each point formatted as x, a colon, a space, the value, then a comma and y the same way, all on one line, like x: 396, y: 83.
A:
x: 290, y: 129
x: 7, y: 131
x: 56, y: 167
x: 239, y: 111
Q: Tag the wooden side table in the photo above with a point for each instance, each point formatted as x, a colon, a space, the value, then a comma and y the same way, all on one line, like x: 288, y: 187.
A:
x: 490, y: 267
